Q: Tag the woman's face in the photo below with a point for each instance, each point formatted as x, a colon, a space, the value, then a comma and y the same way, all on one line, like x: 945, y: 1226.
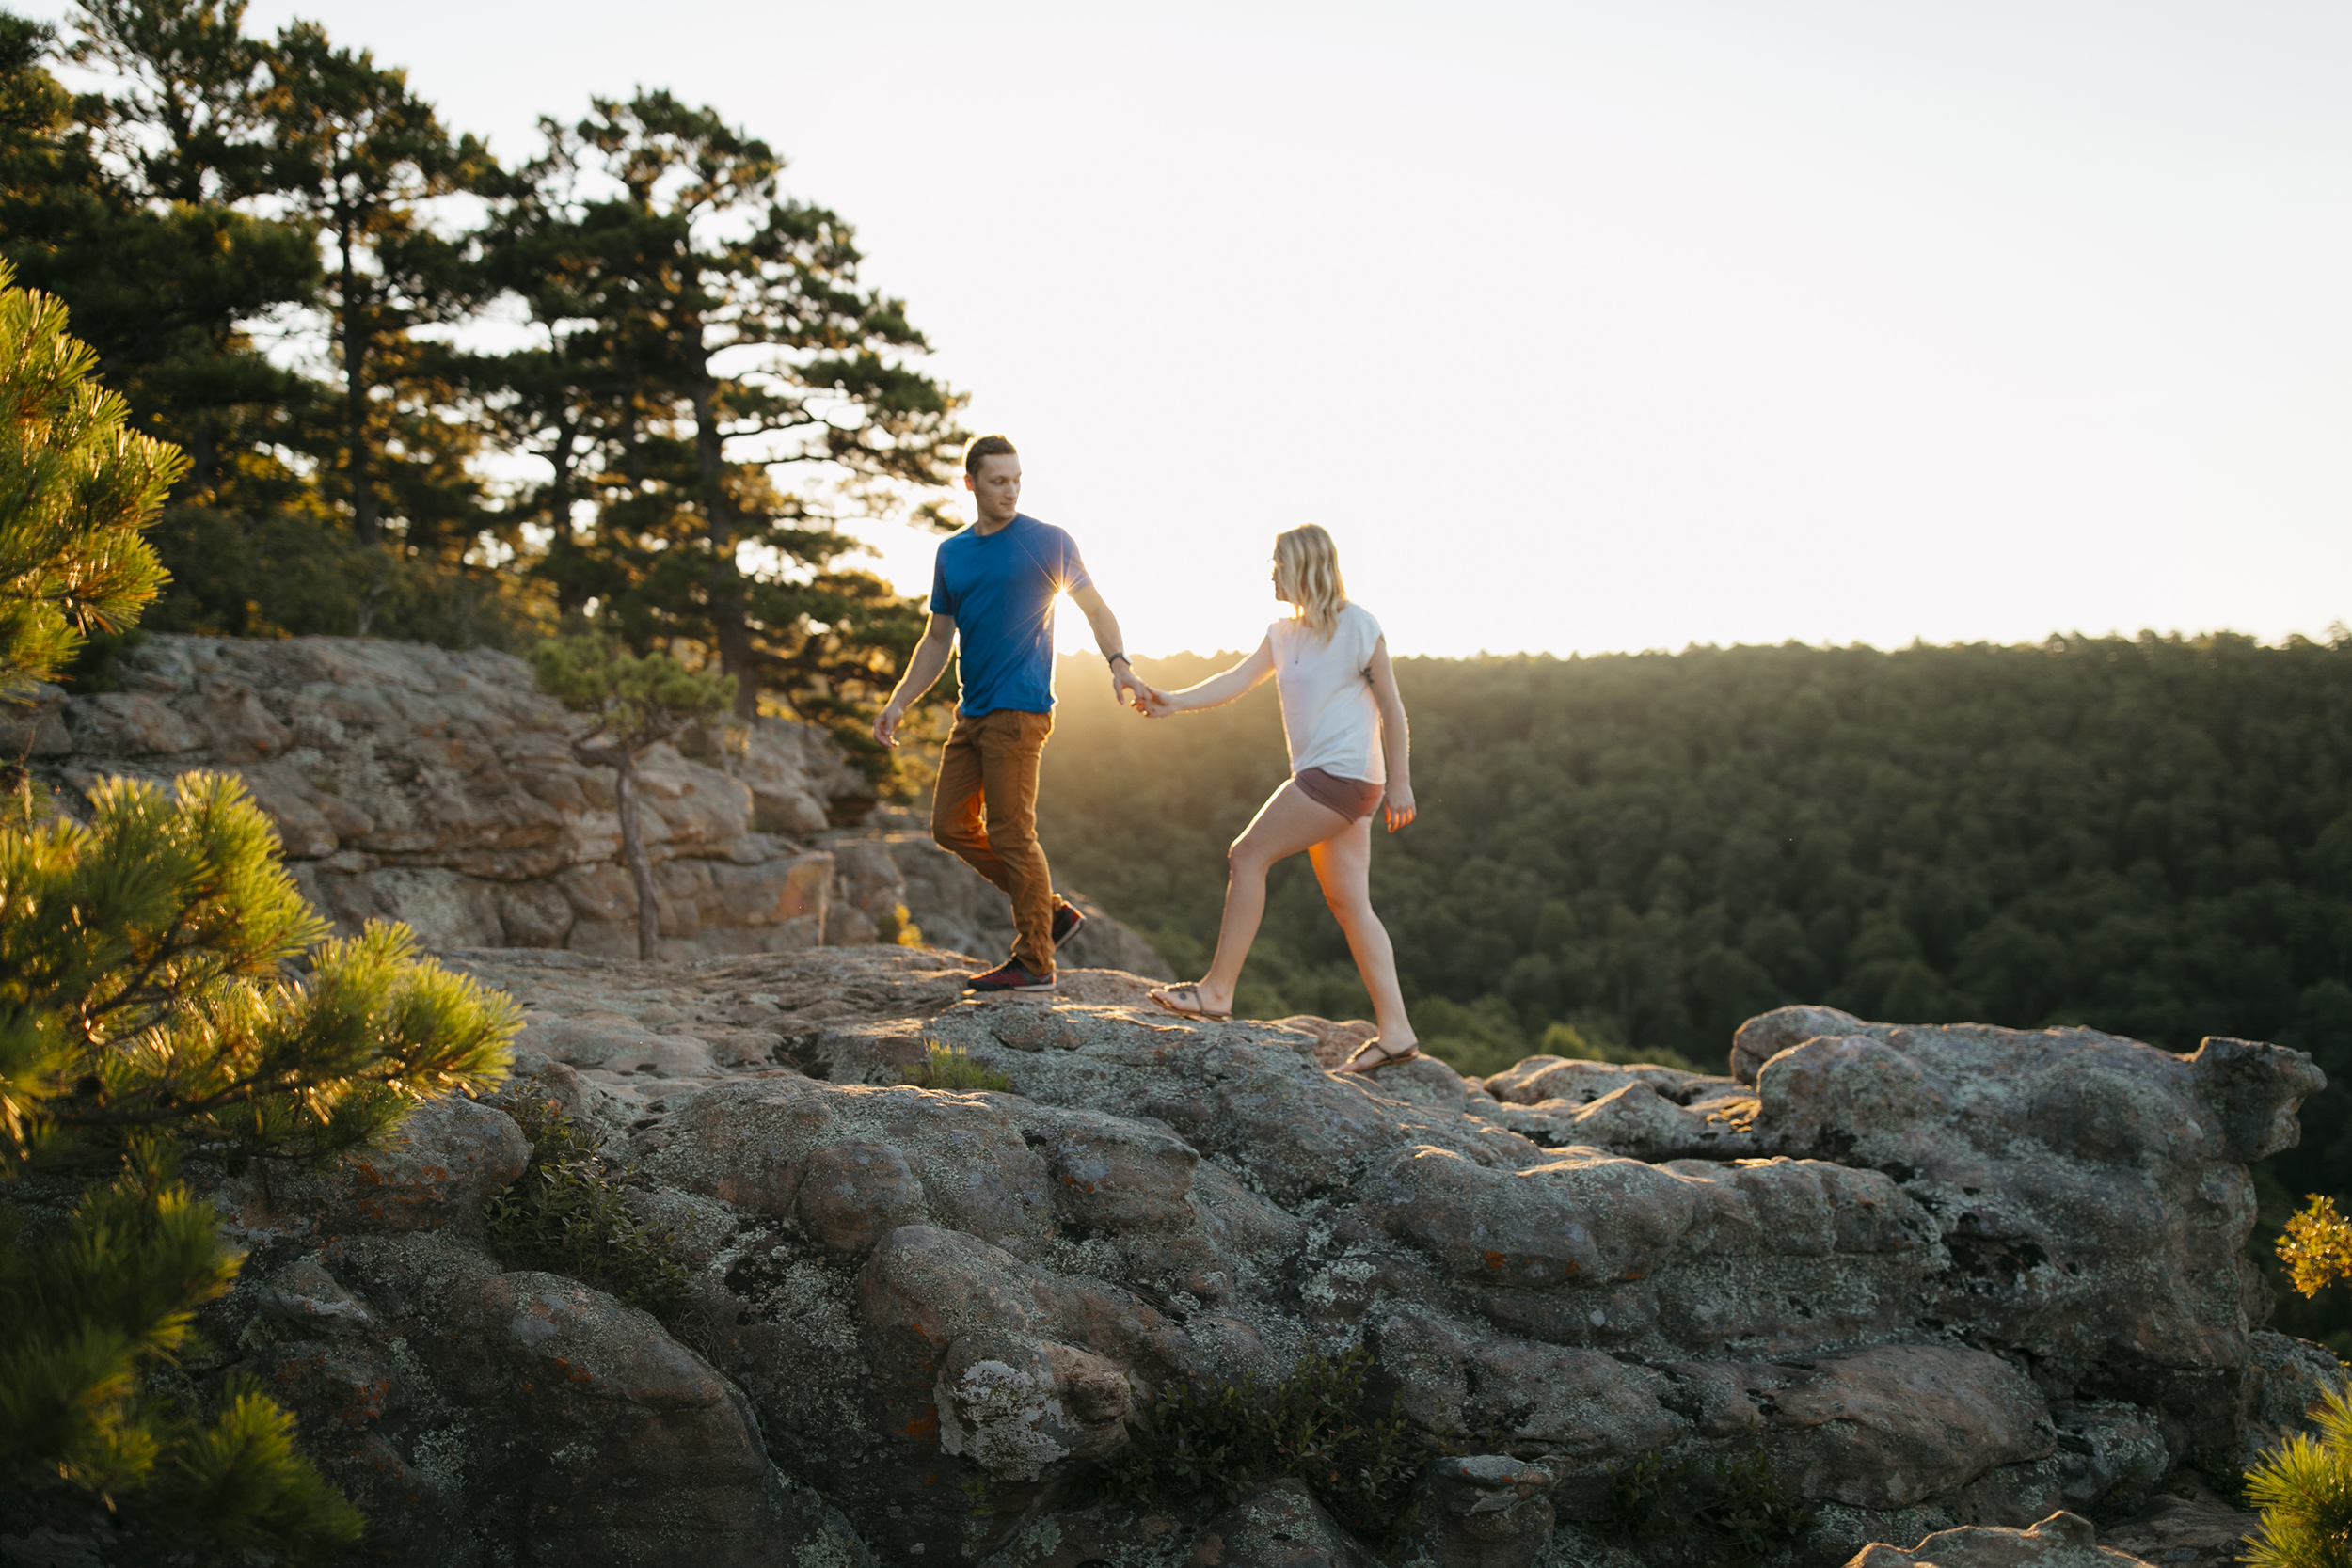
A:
x: 1280, y: 591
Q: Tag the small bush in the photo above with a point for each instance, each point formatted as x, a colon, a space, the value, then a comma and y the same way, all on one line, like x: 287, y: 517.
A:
x: 2304, y: 1489
x: 947, y: 1068
x: 1217, y: 1443
x: 1484, y: 1038
x: 568, y: 1214
x: 1735, y: 1511
x: 2318, y: 1246
x: 1566, y: 1040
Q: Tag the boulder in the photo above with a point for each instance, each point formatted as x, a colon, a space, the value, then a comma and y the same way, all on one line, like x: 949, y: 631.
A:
x: 1282, y: 1525
x: 466, y: 1408
x: 433, y: 1174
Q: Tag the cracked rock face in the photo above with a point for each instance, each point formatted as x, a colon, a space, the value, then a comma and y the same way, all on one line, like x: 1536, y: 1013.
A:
x: 437, y: 788
x: 1946, y: 1281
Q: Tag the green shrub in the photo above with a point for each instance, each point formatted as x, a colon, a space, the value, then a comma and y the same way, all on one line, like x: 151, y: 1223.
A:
x: 296, y: 573
x: 568, y: 1214
x: 243, y: 1481
x: 1733, y: 1510
x: 1566, y: 1040
x: 1214, y: 1444
x: 2304, y: 1489
x: 947, y: 1068
x: 95, y: 1310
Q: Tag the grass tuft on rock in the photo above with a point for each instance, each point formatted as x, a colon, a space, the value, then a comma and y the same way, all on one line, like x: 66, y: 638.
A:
x: 568, y: 1214
x: 947, y: 1068
x: 1214, y: 1444
x: 1731, y: 1511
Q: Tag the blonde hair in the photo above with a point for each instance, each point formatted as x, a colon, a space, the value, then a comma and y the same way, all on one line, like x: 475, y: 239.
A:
x: 1309, y: 565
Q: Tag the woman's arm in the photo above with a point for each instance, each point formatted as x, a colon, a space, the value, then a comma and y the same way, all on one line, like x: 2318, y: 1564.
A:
x: 1221, y: 688
x: 1396, y: 743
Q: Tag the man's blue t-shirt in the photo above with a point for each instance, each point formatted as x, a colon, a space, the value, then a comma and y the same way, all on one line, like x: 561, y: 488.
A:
x: 1000, y: 588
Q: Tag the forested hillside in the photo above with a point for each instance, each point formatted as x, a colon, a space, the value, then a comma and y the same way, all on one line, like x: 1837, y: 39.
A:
x: 2153, y: 838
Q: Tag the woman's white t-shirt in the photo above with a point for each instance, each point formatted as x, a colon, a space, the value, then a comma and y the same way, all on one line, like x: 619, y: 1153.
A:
x: 1329, y: 715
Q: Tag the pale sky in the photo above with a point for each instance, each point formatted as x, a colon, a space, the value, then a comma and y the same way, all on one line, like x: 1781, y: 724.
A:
x: 1582, y: 326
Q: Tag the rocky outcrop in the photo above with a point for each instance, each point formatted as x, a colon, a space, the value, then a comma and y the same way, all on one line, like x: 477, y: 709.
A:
x: 438, y: 788
x: 1941, y: 1284
x: 2062, y: 1541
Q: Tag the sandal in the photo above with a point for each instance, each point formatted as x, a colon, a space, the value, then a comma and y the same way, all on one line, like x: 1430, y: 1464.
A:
x: 1166, y: 998
x: 1388, y: 1057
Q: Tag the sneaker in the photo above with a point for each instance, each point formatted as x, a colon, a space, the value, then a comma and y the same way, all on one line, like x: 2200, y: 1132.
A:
x: 1009, y: 977
x: 1066, y: 922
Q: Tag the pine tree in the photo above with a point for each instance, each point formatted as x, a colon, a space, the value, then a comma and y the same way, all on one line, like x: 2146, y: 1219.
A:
x: 2304, y: 1489
x: 636, y: 703
x: 363, y: 158
x: 124, y: 203
x: 150, y: 1002
x: 735, y: 348
x: 75, y: 488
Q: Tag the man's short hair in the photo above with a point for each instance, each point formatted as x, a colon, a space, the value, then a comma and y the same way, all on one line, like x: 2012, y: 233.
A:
x: 983, y: 448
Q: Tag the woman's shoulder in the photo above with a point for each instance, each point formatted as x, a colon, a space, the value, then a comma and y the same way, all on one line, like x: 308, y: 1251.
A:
x: 1359, y: 619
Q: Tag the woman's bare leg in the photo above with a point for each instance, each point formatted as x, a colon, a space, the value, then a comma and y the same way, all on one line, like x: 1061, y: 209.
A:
x: 1344, y: 866
x: 1287, y: 823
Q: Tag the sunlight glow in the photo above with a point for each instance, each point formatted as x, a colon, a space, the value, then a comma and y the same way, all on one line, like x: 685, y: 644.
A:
x: 1582, y: 326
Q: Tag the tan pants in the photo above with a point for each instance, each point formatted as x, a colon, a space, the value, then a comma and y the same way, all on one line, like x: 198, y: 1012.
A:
x: 985, y: 810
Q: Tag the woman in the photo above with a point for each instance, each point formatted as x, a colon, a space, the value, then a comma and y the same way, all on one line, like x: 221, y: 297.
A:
x: 1345, y: 726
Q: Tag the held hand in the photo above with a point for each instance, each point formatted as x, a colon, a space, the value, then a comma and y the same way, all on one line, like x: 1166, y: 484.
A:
x: 1123, y: 681
x: 1400, y: 806
x: 1156, y: 704
x: 886, y: 724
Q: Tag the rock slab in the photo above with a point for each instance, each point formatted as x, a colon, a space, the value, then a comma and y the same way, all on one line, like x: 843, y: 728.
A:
x: 1908, y: 1281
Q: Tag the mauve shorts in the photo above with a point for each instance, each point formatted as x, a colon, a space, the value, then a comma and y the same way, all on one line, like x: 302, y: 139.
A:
x: 1350, y: 798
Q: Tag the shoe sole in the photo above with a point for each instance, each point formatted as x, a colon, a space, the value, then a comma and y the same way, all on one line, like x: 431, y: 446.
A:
x: 998, y: 990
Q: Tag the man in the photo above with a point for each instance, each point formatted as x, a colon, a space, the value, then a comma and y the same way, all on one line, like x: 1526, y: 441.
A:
x: 992, y: 591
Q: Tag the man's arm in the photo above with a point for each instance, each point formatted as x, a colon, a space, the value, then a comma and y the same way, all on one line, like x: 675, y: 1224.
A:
x: 1108, y: 640
x: 923, y: 672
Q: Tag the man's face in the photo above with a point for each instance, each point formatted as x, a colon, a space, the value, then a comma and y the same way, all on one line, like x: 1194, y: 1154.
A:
x: 996, y: 488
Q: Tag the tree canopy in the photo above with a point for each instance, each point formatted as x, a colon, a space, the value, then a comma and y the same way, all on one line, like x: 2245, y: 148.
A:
x: 704, y: 397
